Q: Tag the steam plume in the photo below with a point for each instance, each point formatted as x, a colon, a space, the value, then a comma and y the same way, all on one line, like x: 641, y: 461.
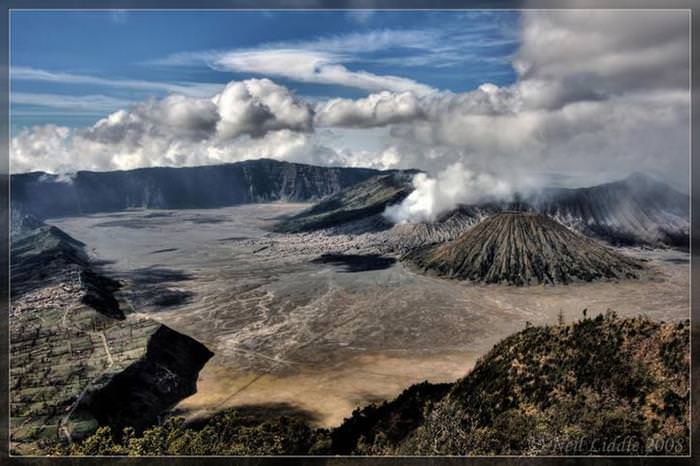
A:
x: 453, y: 186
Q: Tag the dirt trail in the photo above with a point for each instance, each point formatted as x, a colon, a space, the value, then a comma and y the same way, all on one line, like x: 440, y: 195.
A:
x: 63, y: 423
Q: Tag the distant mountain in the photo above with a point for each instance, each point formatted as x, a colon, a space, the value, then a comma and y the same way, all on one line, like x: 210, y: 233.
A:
x: 636, y: 210
x: 545, y: 391
x: 45, y: 196
x: 521, y: 248
x: 366, y: 199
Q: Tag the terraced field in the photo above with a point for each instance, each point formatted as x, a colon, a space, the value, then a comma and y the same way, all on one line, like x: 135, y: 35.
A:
x: 61, y: 350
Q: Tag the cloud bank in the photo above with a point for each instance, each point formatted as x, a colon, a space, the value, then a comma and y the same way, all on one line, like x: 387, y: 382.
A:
x: 598, y: 94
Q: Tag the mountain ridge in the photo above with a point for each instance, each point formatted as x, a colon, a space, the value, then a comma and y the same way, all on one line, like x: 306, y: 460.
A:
x: 44, y: 195
x: 590, y: 381
x: 637, y: 210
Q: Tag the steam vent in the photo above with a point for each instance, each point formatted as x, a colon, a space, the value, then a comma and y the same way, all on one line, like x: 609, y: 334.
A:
x: 519, y: 248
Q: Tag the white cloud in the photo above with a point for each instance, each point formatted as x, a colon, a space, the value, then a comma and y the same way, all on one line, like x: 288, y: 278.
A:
x: 321, y: 61
x: 344, y: 46
x: 379, y: 109
x: 614, y: 100
x: 453, y: 44
x: 20, y: 73
x: 598, y: 92
x: 256, y: 106
x: 387, y: 108
x: 606, y: 52
x: 249, y: 119
x: 57, y: 149
x: 41, y: 147
x: 312, y: 67
x: 252, y: 107
x: 95, y: 104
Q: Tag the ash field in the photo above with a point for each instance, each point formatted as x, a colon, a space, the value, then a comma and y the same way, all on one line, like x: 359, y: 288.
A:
x: 327, y: 321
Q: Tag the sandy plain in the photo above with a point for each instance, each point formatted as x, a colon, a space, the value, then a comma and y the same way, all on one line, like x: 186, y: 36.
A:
x: 293, y: 330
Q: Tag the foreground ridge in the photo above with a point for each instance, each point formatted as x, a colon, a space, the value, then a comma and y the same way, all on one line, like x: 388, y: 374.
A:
x: 599, y: 386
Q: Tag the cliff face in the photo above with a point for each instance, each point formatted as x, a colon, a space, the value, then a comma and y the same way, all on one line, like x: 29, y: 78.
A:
x: 521, y: 249
x: 252, y: 181
x: 164, y: 375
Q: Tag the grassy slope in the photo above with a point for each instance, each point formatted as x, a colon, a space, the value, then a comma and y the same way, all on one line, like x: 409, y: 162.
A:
x: 536, y: 391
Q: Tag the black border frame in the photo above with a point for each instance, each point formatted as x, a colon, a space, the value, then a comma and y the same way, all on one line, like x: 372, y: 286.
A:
x: 6, y: 5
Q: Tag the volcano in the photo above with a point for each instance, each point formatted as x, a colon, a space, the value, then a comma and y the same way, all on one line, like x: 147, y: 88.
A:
x: 523, y: 248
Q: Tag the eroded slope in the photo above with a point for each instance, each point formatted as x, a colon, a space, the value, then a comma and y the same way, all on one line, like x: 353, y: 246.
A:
x: 521, y: 248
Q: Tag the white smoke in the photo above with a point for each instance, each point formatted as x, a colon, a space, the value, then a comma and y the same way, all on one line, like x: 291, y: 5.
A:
x: 451, y: 187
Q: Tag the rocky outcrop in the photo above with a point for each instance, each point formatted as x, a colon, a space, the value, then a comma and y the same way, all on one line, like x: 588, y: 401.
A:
x: 71, y: 342
x: 44, y: 195
x: 521, y: 249
x: 43, y: 255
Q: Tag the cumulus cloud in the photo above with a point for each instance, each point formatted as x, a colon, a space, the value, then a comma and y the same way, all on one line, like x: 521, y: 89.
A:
x: 379, y: 109
x: 248, y: 119
x: 253, y: 107
x: 40, y: 147
x: 386, y: 108
x: 57, y: 149
x: 256, y: 106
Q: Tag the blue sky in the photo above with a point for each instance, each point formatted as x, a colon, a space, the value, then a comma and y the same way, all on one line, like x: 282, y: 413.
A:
x: 71, y: 68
